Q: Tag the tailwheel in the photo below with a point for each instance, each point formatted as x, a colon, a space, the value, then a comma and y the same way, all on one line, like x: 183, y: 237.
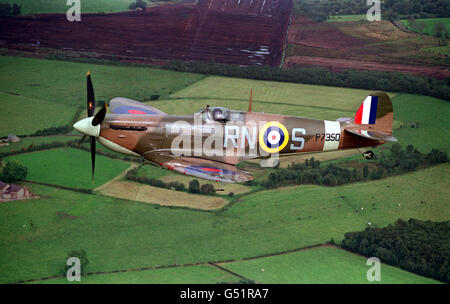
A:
x: 368, y: 155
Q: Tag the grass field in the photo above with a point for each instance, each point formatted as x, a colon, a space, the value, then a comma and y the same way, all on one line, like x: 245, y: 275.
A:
x: 65, y: 82
x: 202, y: 274
x: 269, y: 97
x: 347, y: 18
x: 429, y: 27
x: 59, y: 6
x: 69, y: 167
x: 24, y: 115
x: 91, y: 6
x: 430, y: 113
x: 119, y: 234
x: 27, y: 141
x: 324, y: 265
x: 443, y: 50
x: 44, y: 93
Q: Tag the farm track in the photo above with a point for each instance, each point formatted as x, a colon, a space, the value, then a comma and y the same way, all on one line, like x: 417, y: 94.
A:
x: 245, y: 32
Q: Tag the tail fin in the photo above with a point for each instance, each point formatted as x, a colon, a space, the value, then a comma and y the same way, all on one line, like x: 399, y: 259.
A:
x: 374, y: 118
x: 376, y: 110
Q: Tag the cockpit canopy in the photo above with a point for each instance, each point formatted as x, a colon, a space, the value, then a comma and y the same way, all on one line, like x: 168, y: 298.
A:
x: 219, y: 114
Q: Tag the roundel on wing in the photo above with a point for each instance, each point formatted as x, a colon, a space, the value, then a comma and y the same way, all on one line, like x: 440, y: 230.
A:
x: 273, y: 137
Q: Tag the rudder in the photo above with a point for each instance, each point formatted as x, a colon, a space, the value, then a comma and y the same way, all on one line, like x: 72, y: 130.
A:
x: 377, y: 112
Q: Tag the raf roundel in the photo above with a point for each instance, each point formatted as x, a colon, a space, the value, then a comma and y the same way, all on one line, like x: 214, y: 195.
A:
x: 273, y: 137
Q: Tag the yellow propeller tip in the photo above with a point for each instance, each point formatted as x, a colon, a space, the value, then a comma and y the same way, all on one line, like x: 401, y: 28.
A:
x: 88, y: 73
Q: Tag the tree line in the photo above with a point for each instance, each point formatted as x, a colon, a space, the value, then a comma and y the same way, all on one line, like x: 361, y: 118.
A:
x: 368, y: 80
x: 396, y: 161
x: 7, y: 10
x: 422, y: 247
x: 194, y: 185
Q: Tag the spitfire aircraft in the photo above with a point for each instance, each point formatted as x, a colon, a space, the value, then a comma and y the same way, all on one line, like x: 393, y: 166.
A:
x: 211, y: 142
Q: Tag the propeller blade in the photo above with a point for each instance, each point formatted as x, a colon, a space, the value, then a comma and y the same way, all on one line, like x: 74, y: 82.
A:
x: 93, y: 156
x: 100, y: 116
x: 90, y: 96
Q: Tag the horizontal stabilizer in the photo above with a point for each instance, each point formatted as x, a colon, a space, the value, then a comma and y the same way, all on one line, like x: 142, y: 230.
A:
x: 374, y: 135
x: 121, y: 105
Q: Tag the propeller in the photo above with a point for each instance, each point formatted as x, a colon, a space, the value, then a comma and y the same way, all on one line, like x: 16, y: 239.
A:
x: 98, y: 118
x: 90, y: 112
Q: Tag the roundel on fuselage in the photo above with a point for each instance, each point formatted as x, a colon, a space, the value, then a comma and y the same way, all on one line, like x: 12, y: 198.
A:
x: 273, y: 137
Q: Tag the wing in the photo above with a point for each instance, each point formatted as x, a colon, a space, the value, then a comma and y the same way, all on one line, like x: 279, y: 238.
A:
x: 121, y: 105
x: 374, y: 135
x: 199, y: 167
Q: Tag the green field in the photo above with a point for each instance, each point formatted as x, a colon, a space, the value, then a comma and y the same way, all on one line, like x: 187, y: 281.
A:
x: 430, y: 113
x: 59, y: 6
x: 118, y: 234
x: 65, y: 82
x: 443, y: 50
x: 202, y: 274
x: 347, y: 18
x: 24, y: 115
x: 429, y: 28
x: 69, y: 167
x: 25, y: 142
x: 311, y: 101
x: 44, y: 93
x: 324, y: 265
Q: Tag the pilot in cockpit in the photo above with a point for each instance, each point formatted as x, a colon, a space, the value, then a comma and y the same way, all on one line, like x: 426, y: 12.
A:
x: 219, y: 114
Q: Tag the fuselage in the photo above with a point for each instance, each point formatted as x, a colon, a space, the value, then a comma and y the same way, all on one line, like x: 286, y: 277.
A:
x: 247, y: 135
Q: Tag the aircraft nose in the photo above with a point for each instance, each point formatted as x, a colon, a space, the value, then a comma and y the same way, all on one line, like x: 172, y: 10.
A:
x: 85, y: 127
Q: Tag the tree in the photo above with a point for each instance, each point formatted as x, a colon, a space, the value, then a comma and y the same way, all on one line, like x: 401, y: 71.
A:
x: 138, y: 4
x: 194, y: 186
x: 5, y: 9
x: 396, y: 149
x: 365, y: 171
x: 207, y: 189
x: 14, y: 172
x: 16, y: 10
x: 80, y: 254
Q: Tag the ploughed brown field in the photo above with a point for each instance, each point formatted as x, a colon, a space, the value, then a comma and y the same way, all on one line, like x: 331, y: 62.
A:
x: 344, y: 64
x: 228, y: 31
x: 364, y: 46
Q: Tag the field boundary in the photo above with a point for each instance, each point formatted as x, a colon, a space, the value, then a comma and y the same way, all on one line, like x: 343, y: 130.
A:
x: 211, y: 263
x: 116, y: 178
x: 229, y: 271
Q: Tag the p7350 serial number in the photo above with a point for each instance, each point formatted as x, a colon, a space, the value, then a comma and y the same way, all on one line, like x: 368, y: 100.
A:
x: 246, y: 293
x: 328, y: 137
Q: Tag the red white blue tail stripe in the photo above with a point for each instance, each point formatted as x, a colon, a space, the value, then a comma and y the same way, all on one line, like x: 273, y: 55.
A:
x: 367, y: 112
